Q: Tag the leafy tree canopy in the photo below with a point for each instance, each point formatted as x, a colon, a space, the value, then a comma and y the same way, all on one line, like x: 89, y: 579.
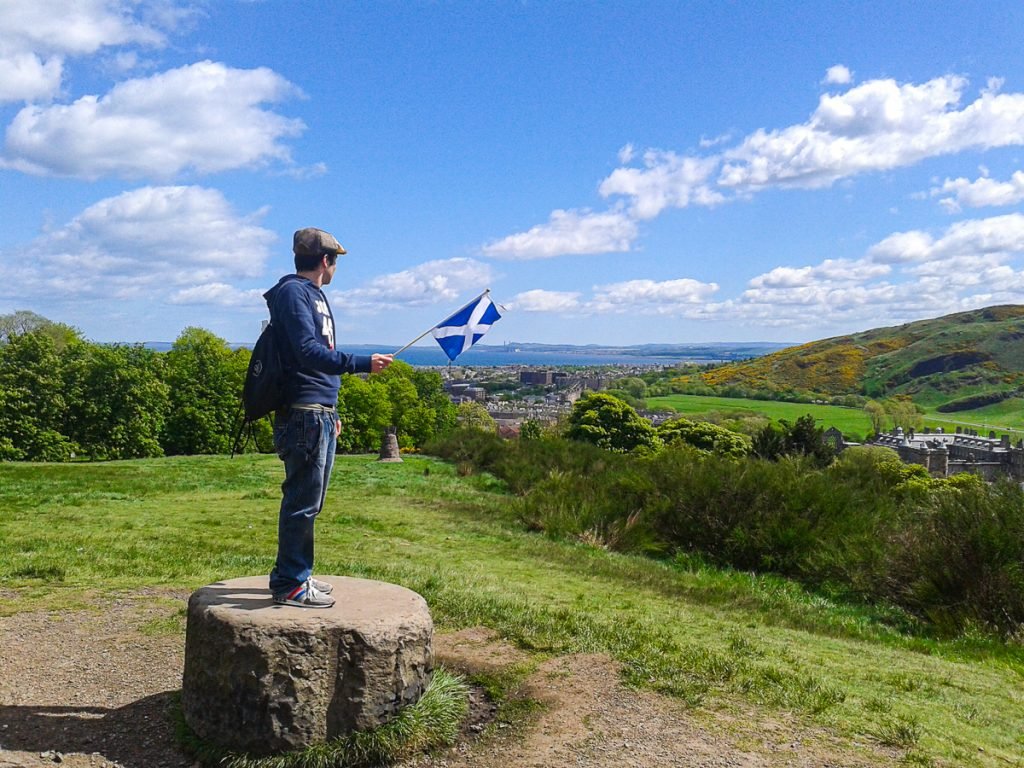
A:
x: 608, y: 422
x: 23, y: 321
x: 475, y: 416
x: 705, y: 436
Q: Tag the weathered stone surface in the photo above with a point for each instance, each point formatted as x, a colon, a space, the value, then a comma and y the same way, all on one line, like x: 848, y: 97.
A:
x: 389, y: 450
x: 267, y: 678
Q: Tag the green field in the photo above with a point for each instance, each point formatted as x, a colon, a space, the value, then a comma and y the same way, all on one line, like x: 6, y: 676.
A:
x: 1007, y: 416
x: 730, y: 645
x: 850, y: 421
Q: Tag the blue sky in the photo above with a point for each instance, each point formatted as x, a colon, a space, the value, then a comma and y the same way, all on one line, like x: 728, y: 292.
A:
x: 615, y: 172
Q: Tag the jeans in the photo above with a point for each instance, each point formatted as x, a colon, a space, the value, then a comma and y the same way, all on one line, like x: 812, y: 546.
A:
x: 305, y: 442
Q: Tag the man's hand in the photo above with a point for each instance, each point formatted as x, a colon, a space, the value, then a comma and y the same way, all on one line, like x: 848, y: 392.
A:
x: 379, y: 362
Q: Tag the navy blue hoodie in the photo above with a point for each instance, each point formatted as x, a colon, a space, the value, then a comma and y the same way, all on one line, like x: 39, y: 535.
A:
x: 305, y: 327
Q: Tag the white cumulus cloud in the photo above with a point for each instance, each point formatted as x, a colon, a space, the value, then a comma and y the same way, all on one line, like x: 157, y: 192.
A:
x: 154, y: 243
x: 206, y: 117
x: 981, y: 193
x: 36, y: 37
x: 838, y: 75
x: 667, y: 180
x: 999, y: 236
x: 905, y: 276
x: 218, y: 294
x: 540, y: 300
x: 568, y: 232
x: 433, y: 282
x: 662, y: 297
x: 828, y: 270
x: 878, y: 125
x: 24, y: 76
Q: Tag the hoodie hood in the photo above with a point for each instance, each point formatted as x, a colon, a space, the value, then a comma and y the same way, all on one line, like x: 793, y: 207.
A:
x: 270, y: 295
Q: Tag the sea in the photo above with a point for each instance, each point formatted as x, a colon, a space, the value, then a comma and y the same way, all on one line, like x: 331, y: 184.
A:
x: 487, y: 358
x: 493, y: 356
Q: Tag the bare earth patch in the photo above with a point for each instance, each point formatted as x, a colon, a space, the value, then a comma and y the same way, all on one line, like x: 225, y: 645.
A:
x: 87, y: 689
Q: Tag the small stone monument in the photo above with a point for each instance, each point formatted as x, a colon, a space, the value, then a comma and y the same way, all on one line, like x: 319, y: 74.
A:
x: 264, y: 678
x: 389, y: 446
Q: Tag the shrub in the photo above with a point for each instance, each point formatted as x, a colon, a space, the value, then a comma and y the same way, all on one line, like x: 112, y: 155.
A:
x: 803, y: 437
x: 704, y: 436
x: 963, y: 559
x: 606, y: 509
x: 971, y: 402
x: 869, y: 526
x: 469, y: 446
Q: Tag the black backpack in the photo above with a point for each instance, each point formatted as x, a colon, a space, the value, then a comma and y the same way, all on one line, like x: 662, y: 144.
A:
x: 263, y: 390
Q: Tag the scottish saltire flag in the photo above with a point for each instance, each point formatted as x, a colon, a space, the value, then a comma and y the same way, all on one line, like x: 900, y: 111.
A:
x: 466, y: 327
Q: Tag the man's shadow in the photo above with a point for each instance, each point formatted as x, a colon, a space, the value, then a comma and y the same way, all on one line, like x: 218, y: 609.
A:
x: 138, y: 735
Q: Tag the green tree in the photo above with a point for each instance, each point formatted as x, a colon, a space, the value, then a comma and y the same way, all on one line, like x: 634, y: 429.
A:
x: 610, y: 423
x: 474, y: 415
x: 205, y: 380
x: 805, y: 437
x: 420, y: 408
x: 120, y: 402
x: 800, y: 438
x: 22, y: 322
x: 432, y: 396
x: 633, y: 402
x: 769, y: 442
x: 364, y: 409
x: 33, y: 406
x: 875, y: 412
x: 904, y: 413
x: 531, y: 429
x: 707, y: 437
x: 409, y: 419
x: 635, y: 387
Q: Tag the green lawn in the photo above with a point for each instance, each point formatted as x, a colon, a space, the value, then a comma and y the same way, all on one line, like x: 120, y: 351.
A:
x: 850, y: 421
x: 724, y: 642
x: 1007, y: 416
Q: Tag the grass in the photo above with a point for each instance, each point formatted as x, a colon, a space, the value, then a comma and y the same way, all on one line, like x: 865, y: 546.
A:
x: 850, y: 421
x: 1007, y: 416
x: 718, y: 640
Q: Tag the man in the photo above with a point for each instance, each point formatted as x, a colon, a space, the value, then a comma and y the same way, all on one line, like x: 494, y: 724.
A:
x: 306, y: 430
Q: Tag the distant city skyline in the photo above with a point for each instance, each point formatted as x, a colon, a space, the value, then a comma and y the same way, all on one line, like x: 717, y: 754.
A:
x: 616, y: 173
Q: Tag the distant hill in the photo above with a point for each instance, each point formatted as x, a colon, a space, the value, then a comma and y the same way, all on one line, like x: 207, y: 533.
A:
x: 955, y: 362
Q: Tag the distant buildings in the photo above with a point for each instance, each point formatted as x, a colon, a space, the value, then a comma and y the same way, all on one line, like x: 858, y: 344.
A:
x: 537, y: 378
x: 944, y: 453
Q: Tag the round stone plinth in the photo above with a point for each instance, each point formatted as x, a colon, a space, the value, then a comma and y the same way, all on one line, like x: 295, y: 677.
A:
x: 265, y: 678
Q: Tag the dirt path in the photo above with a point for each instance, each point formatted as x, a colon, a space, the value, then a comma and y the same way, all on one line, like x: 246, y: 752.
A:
x: 91, y: 689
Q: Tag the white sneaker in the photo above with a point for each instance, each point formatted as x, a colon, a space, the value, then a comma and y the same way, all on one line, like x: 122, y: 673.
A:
x: 305, y: 596
x: 321, y: 586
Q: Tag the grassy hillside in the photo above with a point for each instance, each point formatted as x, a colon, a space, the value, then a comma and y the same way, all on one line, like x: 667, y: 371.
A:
x: 937, y: 362
x: 725, y: 643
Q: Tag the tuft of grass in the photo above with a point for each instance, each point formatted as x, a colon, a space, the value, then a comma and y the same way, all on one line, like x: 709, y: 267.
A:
x: 431, y: 722
x: 171, y: 625
x: 504, y: 687
x: 902, y: 732
x: 39, y: 571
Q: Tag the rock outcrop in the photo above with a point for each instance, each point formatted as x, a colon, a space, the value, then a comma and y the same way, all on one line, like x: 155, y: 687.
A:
x: 265, y: 678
